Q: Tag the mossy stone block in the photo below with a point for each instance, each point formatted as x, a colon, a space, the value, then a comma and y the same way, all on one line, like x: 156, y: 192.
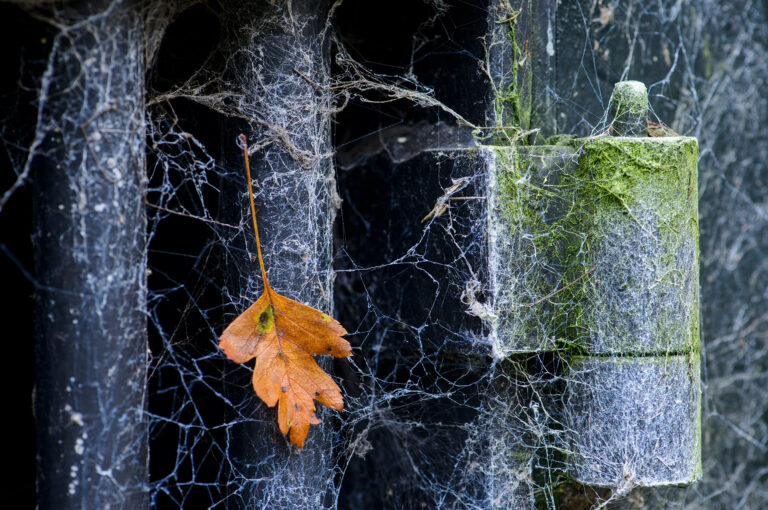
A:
x: 639, y: 202
x: 528, y: 204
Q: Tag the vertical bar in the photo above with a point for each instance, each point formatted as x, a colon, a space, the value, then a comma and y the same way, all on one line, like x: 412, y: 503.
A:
x: 509, y: 62
x: 541, y: 48
x: 90, y: 262
x: 280, y: 62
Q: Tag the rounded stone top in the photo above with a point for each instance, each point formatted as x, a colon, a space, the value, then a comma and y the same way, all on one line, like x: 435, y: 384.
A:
x: 628, y: 109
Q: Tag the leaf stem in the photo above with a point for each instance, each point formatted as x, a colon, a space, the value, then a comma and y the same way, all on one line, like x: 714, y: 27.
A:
x: 253, y: 210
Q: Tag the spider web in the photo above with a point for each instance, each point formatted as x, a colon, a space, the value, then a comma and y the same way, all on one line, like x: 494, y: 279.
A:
x: 385, y: 139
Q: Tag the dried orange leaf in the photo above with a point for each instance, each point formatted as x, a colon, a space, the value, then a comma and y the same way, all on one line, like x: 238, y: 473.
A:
x: 283, y: 334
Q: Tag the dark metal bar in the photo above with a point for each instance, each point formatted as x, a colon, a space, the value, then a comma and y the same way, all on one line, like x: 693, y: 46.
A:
x: 280, y: 63
x: 90, y: 262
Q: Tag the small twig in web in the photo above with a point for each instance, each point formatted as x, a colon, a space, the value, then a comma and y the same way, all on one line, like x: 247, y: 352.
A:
x: 440, y: 205
x: 512, y: 17
x: 305, y: 78
x: 187, y: 215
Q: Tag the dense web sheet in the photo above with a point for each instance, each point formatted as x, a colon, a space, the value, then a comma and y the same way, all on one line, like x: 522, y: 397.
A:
x: 418, y: 175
